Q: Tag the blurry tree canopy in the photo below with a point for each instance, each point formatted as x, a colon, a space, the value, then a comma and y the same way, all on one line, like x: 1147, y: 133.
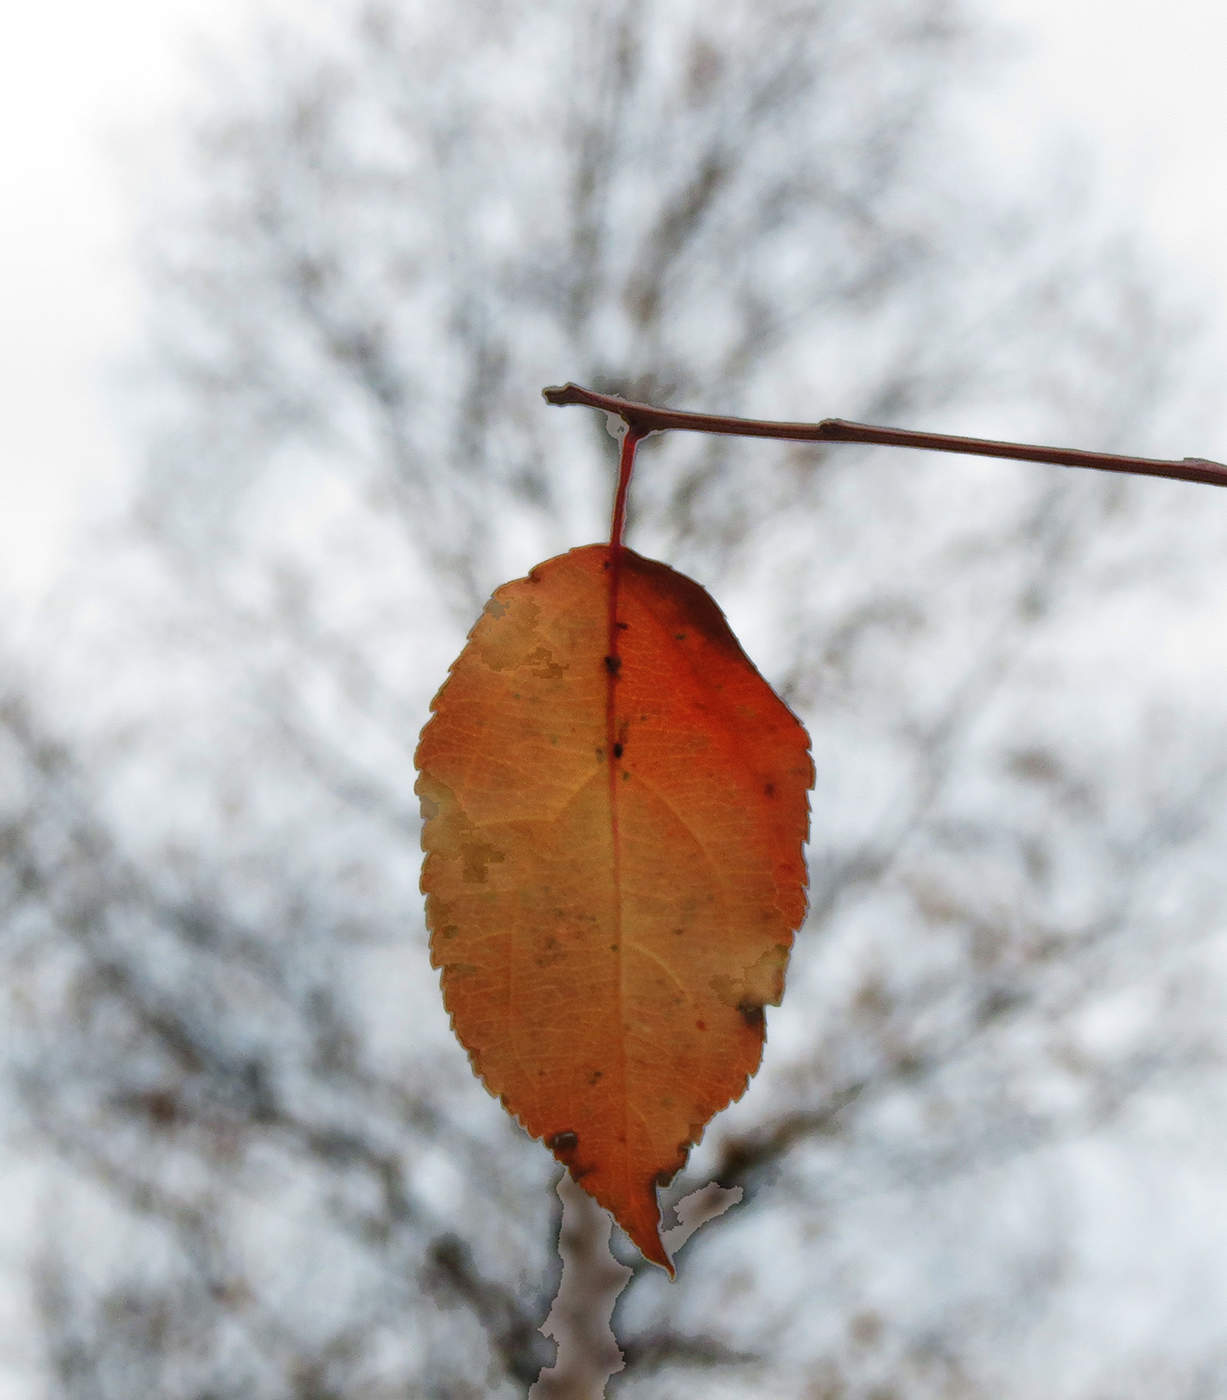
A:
x: 390, y: 225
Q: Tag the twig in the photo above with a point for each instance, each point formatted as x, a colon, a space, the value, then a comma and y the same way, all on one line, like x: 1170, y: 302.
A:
x: 642, y: 418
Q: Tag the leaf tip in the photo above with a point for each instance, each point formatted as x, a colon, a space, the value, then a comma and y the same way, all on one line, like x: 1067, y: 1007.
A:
x: 650, y: 1245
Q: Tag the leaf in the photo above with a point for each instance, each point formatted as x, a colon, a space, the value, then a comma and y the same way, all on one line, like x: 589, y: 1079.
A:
x: 614, y: 864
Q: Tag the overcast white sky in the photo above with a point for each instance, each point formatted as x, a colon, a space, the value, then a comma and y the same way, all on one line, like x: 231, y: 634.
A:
x: 75, y: 78
x: 1143, y: 82
x: 1139, y: 82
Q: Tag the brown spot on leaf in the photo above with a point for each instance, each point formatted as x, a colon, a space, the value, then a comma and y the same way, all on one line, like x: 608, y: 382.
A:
x: 751, y: 1013
x: 541, y: 663
x: 552, y: 953
x: 476, y: 856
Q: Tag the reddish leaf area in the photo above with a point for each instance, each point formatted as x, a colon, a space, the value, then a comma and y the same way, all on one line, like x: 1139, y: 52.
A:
x: 614, y: 866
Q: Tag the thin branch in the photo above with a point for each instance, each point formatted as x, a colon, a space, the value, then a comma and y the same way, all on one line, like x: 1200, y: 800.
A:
x: 642, y: 418
x: 510, y: 1326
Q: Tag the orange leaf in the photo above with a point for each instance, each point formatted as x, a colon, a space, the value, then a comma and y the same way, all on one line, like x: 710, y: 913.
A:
x: 614, y: 865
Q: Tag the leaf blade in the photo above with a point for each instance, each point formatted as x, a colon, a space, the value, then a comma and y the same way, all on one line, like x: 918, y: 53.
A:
x: 614, y: 865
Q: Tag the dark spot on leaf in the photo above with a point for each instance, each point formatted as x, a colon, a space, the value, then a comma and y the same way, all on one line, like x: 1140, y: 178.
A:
x: 751, y: 1013
x: 553, y: 953
x: 565, y: 1141
x: 700, y: 1025
x: 769, y: 789
x: 596, y: 1076
x: 679, y: 636
x: 623, y: 626
x: 617, y: 750
x: 613, y: 664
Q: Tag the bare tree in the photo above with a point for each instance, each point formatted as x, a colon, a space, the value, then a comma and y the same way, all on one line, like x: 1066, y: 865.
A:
x: 395, y: 223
